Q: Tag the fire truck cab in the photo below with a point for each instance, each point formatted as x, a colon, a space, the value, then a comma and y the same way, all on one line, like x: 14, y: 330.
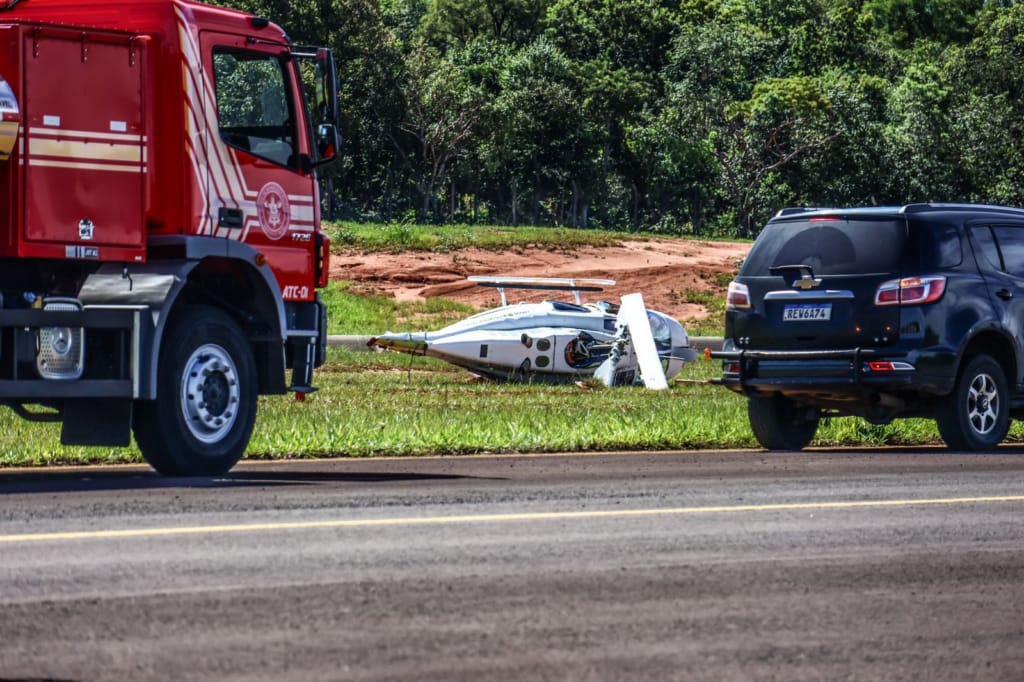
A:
x: 160, y: 241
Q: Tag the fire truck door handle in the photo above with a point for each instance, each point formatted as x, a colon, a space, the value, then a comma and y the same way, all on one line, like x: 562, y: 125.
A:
x: 230, y: 217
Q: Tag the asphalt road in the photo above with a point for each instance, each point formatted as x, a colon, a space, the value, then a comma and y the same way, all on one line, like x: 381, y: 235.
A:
x: 868, y: 565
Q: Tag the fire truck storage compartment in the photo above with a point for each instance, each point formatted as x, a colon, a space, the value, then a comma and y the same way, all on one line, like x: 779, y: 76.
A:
x: 84, y: 143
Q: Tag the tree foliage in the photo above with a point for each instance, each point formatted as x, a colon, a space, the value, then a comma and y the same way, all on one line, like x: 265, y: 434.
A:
x: 693, y: 116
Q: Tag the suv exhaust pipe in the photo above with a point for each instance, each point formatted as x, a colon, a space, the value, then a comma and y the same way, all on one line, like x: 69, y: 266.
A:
x: 888, y: 400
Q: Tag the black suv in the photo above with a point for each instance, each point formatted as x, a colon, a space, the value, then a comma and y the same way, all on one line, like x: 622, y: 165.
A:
x: 912, y: 311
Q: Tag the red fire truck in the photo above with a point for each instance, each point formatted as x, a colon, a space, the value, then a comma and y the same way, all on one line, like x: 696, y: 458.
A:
x: 160, y: 243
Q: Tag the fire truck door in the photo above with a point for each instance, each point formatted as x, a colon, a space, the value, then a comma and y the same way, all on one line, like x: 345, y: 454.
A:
x: 259, y: 187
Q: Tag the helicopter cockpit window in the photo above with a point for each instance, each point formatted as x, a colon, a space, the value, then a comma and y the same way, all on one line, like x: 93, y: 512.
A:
x: 253, y: 105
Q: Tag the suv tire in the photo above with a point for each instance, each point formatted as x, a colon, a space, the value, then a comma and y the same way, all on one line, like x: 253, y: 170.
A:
x: 779, y: 423
x: 976, y: 415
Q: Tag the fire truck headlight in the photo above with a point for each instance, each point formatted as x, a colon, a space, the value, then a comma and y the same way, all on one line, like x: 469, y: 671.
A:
x: 61, y: 350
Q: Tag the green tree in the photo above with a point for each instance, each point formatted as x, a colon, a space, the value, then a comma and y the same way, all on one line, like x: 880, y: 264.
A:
x: 535, y: 124
x: 441, y: 110
x: 905, y: 22
x: 784, y: 120
x: 852, y: 169
x: 456, y: 23
x: 922, y: 162
x: 987, y: 113
x: 619, y: 48
x: 403, y: 17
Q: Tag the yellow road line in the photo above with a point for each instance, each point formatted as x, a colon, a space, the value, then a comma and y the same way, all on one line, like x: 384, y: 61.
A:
x: 493, y: 518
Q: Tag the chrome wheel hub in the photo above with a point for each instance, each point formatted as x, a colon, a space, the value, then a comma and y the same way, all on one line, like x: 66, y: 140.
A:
x: 210, y: 393
x: 982, y: 404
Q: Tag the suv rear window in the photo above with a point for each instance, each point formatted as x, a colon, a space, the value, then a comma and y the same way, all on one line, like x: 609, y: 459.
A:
x: 855, y: 246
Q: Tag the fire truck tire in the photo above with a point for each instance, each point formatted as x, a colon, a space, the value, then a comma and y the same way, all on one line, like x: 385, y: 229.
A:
x: 203, y: 416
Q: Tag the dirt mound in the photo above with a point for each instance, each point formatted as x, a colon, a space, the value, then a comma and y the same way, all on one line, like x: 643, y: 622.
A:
x: 670, y: 273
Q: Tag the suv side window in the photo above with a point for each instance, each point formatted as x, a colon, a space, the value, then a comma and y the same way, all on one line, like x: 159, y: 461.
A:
x: 936, y: 245
x: 988, y: 247
x: 1010, y: 241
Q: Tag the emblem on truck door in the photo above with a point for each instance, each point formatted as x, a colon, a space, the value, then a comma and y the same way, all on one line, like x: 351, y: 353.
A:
x: 274, y: 211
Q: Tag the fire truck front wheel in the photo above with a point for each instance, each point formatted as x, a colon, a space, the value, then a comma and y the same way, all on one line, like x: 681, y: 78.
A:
x: 203, y: 416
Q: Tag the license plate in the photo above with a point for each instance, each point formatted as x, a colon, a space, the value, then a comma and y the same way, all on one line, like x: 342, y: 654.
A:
x: 806, y: 312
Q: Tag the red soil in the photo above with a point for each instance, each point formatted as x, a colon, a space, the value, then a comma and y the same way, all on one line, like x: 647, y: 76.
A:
x: 663, y: 270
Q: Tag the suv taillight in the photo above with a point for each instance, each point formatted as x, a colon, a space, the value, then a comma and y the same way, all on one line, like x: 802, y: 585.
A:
x: 910, y: 291
x: 738, y: 297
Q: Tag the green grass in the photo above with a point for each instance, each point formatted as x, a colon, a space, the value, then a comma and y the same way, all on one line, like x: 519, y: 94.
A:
x: 390, y: 404
x: 398, y: 237
x: 350, y: 312
x: 713, y: 303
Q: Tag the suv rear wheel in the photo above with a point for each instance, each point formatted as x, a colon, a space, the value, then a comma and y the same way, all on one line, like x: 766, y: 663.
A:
x: 779, y: 423
x: 976, y: 415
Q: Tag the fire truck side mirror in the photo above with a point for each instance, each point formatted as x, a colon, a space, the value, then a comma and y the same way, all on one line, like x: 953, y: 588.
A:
x: 328, y: 142
x: 328, y: 86
x: 320, y: 87
x: 323, y: 105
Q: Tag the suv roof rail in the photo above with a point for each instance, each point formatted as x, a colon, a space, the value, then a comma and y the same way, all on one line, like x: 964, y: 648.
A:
x: 916, y: 208
x: 921, y: 208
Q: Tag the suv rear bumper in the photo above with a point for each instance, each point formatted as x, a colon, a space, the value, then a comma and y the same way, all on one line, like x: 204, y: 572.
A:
x: 826, y: 377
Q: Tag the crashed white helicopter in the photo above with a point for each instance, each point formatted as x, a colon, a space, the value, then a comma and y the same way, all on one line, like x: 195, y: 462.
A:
x: 556, y: 342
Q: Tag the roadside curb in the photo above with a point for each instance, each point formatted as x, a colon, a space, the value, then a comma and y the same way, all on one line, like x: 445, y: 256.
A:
x: 358, y: 343
x: 354, y: 343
